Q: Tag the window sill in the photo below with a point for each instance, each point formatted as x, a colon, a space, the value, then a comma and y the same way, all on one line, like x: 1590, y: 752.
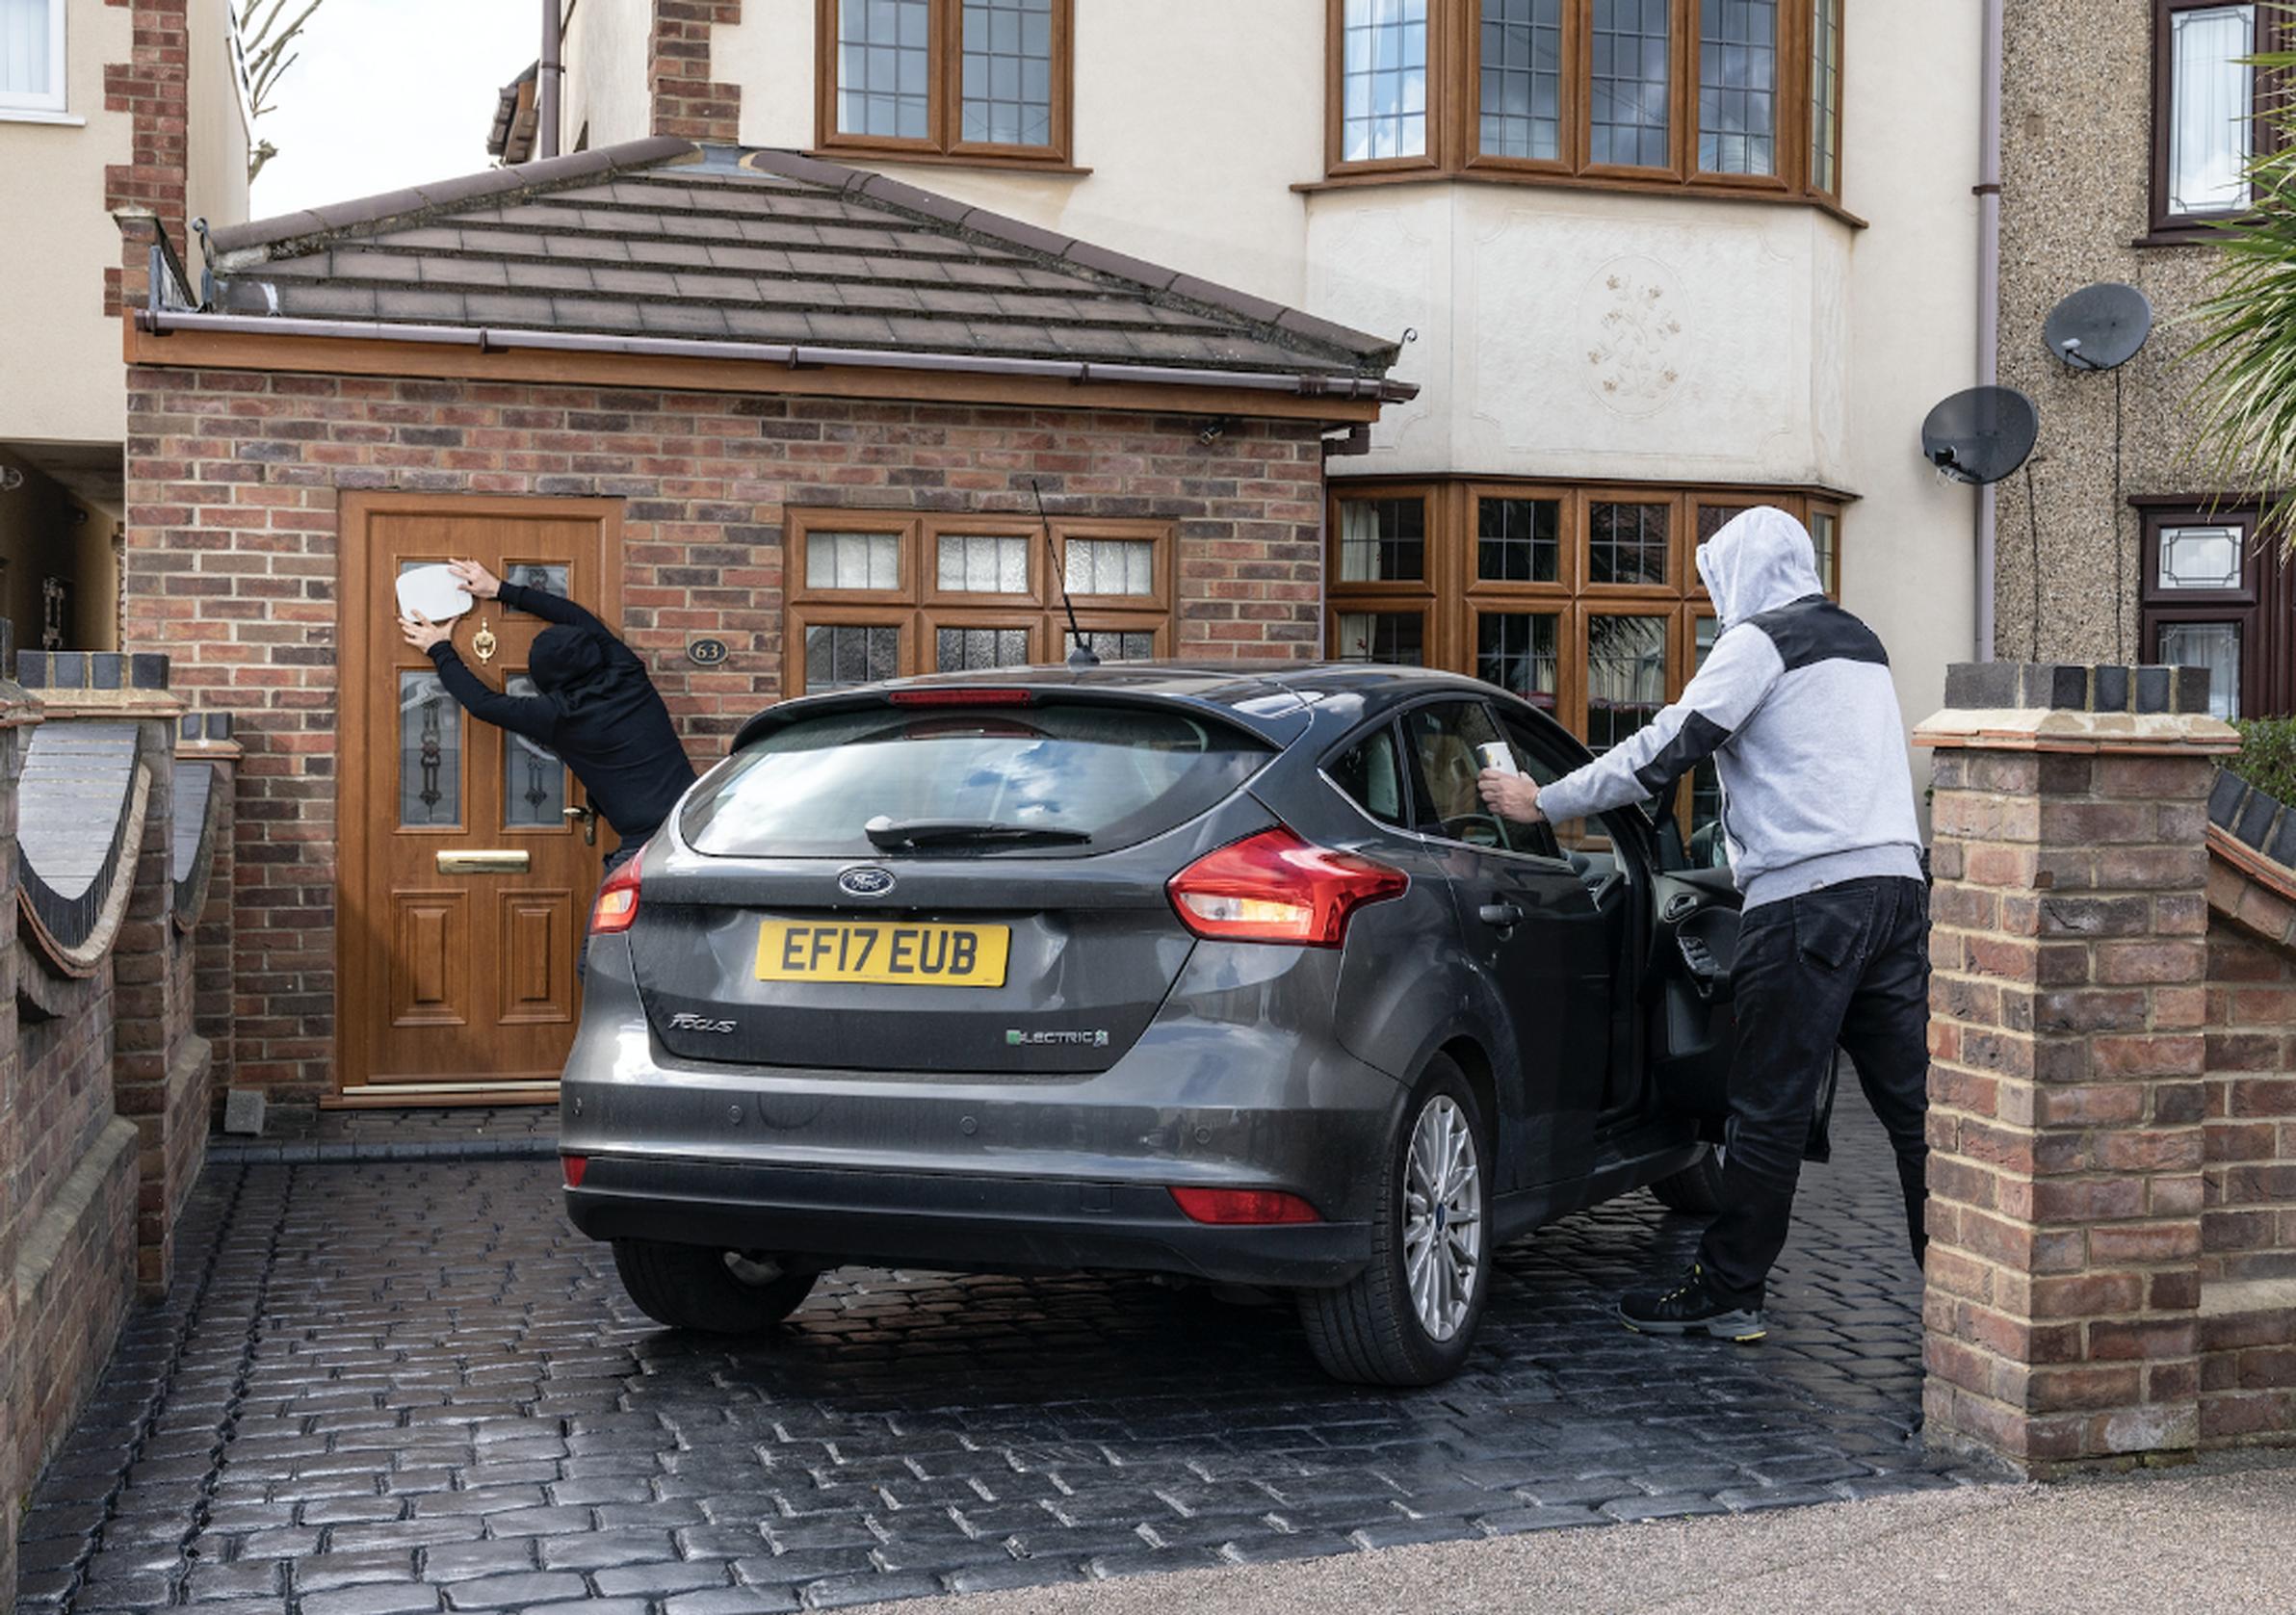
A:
x: 1578, y: 182
x: 851, y: 157
x: 31, y: 115
x: 2180, y: 235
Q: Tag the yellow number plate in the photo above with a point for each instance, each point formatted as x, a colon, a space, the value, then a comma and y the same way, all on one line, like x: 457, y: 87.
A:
x: 882, y: 952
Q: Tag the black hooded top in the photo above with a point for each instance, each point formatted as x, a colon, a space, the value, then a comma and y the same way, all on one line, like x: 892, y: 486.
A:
x: 598, y: 710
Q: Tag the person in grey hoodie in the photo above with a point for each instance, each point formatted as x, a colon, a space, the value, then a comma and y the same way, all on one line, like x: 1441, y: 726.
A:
x: 1797, y: 707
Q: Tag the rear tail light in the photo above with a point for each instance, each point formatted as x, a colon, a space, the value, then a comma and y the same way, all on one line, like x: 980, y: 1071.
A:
x: 617, y: 907
x: 576, y: 1166
x: 1274, y: 887
x: 1231, y: 1206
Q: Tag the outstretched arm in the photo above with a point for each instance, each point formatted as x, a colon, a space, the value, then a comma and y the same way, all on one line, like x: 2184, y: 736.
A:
x: 530, y: 715
x: 481, y: 585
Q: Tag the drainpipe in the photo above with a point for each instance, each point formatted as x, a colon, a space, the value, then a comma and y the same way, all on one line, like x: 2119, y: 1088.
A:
x: 546, y: 84
x: 1989, y: 297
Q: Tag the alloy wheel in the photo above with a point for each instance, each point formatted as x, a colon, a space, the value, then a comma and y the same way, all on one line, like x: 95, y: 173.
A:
x: 1443, y: 1217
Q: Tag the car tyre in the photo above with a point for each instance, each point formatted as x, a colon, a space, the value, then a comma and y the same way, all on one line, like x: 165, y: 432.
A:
x: 1696, y: 1190
x: 1381, y: 1328
x: 698, y: 1287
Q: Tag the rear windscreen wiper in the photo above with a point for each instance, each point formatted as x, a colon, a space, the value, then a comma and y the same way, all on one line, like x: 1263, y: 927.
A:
x: 892, y: 833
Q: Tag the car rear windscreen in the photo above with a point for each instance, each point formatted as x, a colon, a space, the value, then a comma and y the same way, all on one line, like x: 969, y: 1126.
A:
x: 1113, y: 775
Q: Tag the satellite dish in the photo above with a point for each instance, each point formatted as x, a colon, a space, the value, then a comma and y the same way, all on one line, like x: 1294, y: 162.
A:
x: 1981, y: 436
x: 2099, y: 328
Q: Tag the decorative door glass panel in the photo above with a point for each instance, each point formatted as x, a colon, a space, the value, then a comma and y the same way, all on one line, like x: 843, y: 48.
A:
x: 884, y: 68
x: 1626, y: 543
x: 2212, y: 108
x: 984, y: 563
x: 1737, y: 86
x: 1008, y: 71
x: 1516, y: 651
x: 534, y: 779
x: 1111, y: 567
x: 839, y: 655
x: 548, y: 576
x: 958, y: 650
x: 1522, y: 79
x: 1383, y: 79
x: 2215, y: 647
x: 1382, y: 541
x: 2206, y: 558
x: 1399, y: 637
x: 1519, y: 540
x: 1112, y: 644
x: 429, y: 751
x: 862, y: 561
x: 1632, y: 84
x: 1626, y: 676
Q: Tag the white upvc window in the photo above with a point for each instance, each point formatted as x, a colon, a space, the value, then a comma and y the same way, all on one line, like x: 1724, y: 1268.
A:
x: 31, y: 56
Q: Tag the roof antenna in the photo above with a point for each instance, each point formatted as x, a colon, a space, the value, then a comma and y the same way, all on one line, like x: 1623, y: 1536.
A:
x: 1081, y: 656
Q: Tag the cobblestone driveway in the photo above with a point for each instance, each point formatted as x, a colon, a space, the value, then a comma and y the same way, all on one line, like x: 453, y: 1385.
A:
x: 394, y: 1389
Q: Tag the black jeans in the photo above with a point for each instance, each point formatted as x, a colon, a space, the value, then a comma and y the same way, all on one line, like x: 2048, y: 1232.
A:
x: 1844, y: 966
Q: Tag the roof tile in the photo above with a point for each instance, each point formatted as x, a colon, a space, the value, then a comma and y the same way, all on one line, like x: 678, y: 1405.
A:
x: 651, y: 238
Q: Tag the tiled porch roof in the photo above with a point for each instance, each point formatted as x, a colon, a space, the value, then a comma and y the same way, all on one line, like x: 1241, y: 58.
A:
x: 664, y: 238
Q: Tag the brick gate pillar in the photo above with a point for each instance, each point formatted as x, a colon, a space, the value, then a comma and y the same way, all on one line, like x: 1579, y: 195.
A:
x: 17, y: 715
x: 2065, y: 1094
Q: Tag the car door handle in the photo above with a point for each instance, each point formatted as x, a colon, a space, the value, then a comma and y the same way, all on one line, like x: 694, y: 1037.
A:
x: 1505, y: 915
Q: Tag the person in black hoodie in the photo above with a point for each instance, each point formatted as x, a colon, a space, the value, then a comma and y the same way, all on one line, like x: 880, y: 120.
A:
x: 597, y: 708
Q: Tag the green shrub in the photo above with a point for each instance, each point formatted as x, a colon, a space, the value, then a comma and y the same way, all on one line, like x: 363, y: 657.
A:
x: 2267, y: 756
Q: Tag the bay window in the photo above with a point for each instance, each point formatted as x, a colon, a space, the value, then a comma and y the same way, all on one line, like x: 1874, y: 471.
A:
x: 1738, y: 96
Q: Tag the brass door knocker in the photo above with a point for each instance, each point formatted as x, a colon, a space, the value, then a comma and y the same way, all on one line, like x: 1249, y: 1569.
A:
x: 482, y: 644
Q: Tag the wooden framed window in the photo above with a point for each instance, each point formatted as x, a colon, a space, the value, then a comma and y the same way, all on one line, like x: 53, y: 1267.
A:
x: 977, y: 81
x: 877, y: 595
x: 2209, y: 597
x: 2206, y: 102
x: 32, y: 56
x: 1737, y: 96
x: 1583, y: 600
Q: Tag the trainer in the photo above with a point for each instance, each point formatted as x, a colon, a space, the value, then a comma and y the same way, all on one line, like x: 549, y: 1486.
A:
x: 1797, y: 707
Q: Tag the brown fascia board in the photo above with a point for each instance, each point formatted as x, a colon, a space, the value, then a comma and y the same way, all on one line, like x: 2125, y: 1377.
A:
x: 293, y: 234
x: 1008, y: 231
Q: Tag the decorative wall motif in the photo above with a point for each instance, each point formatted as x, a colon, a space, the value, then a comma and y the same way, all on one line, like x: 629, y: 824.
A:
x: 1631, y: 323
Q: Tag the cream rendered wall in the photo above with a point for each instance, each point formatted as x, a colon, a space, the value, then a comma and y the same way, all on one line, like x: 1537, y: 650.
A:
x: 216, y: 187
x: 1910, y: 154
x: 1193, y: 153
x: 61, y: 376
x: 604, y: 48
x: 1591, y: 335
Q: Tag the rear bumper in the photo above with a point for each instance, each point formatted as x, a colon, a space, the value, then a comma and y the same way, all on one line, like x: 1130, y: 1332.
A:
x: 935, y: 1220
x: 993, y: 1173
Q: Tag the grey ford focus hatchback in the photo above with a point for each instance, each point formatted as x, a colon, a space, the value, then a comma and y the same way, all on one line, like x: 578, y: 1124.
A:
x: 1211, y: 971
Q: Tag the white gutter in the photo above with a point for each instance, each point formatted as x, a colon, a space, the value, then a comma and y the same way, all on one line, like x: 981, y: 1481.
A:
x: 1988, y: 298
x: 488, y: 340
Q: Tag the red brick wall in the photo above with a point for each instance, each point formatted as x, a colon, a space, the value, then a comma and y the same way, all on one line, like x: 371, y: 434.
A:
x: 234, y: 481
x: 687, y: 102
x: 154, y: 88
x: 66, y: 1086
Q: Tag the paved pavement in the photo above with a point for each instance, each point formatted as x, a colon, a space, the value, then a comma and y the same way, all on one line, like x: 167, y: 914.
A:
x: 407, y: 1387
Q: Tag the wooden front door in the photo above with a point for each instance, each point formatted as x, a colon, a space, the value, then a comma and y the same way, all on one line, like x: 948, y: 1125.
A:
x: 465, y: 886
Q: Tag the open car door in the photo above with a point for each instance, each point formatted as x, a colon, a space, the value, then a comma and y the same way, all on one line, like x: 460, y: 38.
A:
x: 1693, y: 944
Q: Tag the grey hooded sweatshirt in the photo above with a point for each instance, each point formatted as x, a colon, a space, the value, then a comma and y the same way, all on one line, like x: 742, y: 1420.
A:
x: 1795, y: 706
